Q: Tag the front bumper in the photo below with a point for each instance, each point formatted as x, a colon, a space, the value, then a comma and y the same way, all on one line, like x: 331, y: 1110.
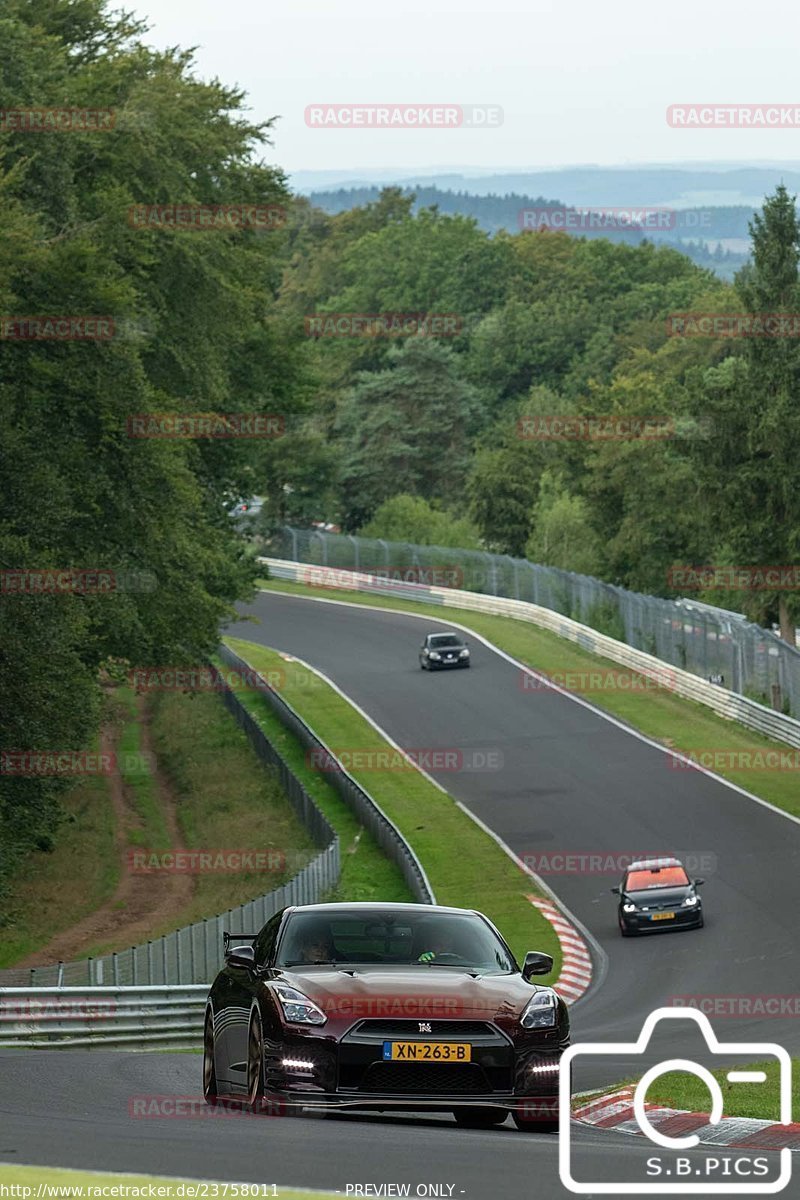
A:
x: 445, y: 664
x: 351, y: 1072
x: 685, y: 918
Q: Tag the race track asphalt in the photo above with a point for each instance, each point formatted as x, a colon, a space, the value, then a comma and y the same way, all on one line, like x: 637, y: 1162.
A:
x: 571, y: 782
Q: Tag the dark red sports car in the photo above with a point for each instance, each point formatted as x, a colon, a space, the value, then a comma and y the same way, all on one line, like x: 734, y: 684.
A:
x: 385, y: 1006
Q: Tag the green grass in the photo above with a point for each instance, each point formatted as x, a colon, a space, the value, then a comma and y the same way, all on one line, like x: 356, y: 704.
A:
x: 226, y: 800
x: 150, y: 830
x: 677, y: 723
x: 465, y: 866
x: 52, y: 891
x: 367, y: 874
x: 58, y: 1177
x: 677, y: 1089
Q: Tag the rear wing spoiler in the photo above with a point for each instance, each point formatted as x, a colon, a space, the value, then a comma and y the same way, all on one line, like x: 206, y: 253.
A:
x: 236, y: 939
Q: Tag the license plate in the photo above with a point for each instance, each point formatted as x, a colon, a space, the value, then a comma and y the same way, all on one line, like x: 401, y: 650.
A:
x: 452, y: 1052
x: 663, y: 917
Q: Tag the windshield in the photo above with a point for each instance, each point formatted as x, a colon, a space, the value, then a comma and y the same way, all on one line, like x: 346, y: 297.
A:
x: 658, y: 877
x: 445, y: 639
x: 394, y: 939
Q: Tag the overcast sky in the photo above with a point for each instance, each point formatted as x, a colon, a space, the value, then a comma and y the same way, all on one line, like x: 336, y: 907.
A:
x: 580, y: 82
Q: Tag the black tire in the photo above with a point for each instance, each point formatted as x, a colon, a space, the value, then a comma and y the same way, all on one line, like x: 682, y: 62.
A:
x: 625, y: 932
x: 700, y: 923
x: 209, y: 1069
x: 525, y: 1125
x: 255, y: 1065
x: 479, y: 1118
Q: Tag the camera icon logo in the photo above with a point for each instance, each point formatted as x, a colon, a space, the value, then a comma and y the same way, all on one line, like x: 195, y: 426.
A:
x: 763, y: 1050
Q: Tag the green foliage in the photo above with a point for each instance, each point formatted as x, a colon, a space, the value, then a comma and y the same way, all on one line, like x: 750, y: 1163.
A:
x: 562, y: 534
x: 407, y: 518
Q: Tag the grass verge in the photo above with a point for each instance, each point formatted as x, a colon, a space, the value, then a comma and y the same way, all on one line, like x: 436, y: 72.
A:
x: 677, y: 723
x: 226, y: 800
x: 55, y: 890
x: 677, y: 1089
x: 465, y: 866
x: 169, y: 1189
x: 367, y: 874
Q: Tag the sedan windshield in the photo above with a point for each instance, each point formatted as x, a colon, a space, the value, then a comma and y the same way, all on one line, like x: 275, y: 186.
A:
x: 445, y: 639
x: 394, y: 939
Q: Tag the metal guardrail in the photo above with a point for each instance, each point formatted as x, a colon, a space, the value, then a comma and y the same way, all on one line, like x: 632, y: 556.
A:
x: 193, y: 954
x: 726, y: 704
x: 39, y: 1018
x: 369, y: 813
x: 692, y: 637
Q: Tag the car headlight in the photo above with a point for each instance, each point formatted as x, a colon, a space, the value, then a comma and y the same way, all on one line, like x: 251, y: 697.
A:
x: 435, y: 654
x: 298, y: 1008
x: 691, y: 902
x: 540, y: 1011
x: 464, y: 653
x: 629, y: 908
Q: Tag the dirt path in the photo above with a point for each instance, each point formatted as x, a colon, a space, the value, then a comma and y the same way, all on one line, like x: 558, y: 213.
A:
x: 140, y: 902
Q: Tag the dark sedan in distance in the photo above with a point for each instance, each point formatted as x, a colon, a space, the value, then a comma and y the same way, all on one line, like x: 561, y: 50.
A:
x: 388, y: 1007
x: 442, y: 650
x: 657, y: 894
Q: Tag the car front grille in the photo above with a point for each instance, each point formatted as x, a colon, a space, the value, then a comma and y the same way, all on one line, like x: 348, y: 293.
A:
x: 434, y: 1079
x: 389, y: 1028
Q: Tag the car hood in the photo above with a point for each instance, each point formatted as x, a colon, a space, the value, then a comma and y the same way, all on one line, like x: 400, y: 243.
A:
x: 439, y: 992
x: 661, y: 897
x: 448, y: 649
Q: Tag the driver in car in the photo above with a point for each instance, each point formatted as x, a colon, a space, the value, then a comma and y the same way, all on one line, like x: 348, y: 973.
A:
x: 317, y: 946
x: 439, y: 945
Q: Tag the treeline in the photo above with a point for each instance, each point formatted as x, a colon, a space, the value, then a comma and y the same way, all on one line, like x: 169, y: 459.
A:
x: 550, y: 326
x: 194, y: 328
x: 696, y: 232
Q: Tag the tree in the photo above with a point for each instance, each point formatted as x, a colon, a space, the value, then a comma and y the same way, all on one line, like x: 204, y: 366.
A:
x: 562, y: 533
x: 412, y: 519
x: 750, y: 470
x: 406, y: 429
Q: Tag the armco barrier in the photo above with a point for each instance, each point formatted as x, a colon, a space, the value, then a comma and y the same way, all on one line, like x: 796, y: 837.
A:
x: 385, y: 832
x: 726, y: 704
x: 74, y: 1017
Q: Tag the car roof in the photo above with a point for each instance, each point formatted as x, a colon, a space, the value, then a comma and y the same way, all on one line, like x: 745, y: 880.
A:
x: 444, y: 633
x: 652, y: 864
x: 367, y: 906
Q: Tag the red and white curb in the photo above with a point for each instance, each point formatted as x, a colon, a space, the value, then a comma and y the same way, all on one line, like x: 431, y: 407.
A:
x: 615, y: 1111
x: 576, y: 965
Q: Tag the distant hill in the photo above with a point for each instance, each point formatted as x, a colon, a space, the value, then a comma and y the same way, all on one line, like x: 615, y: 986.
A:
x: 713, y: 237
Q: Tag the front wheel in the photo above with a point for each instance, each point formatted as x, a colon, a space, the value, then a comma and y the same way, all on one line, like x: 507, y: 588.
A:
x: 535, y: 1124
x: 255, y: 1065
x: 479, y: 1118
x: 209, y: 1069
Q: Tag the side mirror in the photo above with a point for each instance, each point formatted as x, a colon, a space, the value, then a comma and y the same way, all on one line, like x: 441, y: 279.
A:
x: 699, y: 882
x: 536, y: 963
x: 617, y: 891
x: 243, y: 957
